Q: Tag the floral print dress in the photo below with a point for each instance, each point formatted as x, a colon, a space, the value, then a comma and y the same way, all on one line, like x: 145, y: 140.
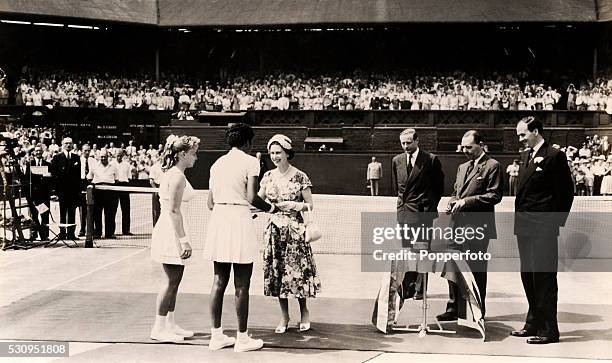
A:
x: 289, y: 266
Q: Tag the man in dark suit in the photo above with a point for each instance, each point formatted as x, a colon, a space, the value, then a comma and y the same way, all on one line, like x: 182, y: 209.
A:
x: 478, y: 188
x: 544, y: 197
x: 39, y: 192
x: 66, y: 172
x: 418, y: 181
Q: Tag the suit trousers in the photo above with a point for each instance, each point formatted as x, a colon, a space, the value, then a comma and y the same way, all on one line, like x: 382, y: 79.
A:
x: 67, y: 206
x: 479, y: 270
x: 539, y: 262
x: 43, y: 223
x: 105, y: 201
x: 124, y: 202
x: 83, y: 207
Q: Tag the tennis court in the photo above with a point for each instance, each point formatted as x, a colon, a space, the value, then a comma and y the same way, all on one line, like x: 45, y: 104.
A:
x: 102, y: 300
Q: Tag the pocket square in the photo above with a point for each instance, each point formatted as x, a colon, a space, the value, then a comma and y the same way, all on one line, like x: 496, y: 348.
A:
x: 479, y: 178
x: 538, y: 169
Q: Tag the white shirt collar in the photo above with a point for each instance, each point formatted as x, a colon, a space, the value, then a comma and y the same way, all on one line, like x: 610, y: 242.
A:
x: 479, y: 158
x: 412, y: 159
x: 537, y: 147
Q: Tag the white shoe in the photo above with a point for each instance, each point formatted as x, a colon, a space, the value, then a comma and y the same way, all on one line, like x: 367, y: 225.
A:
x: 181, y: 332
x: 221, y: 341
x: 165, y: 336
x: 247, y: 344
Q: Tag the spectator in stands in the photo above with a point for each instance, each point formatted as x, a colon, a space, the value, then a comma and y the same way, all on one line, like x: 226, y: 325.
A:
x: 4, y: 94
x: 584, y: 152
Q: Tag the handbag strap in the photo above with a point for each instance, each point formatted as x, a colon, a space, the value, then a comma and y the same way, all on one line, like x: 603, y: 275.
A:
x: 309, y: 217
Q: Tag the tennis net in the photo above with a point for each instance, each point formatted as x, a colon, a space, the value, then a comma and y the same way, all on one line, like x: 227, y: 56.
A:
x: 340, y: 219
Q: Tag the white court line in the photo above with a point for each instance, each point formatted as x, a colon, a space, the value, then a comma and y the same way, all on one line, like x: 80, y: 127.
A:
x: 48, y: 251
x: 95, y: 270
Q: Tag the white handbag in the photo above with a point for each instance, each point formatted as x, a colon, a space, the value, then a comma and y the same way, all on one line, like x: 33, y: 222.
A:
x: 313, y: 232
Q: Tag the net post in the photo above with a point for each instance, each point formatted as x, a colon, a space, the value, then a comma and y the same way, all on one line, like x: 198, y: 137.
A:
x: 90, y: 217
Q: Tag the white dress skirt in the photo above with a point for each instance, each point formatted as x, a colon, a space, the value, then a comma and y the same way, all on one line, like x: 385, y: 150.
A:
x: 231, y: 235
x: 606, y: 185
x: 165, y: 245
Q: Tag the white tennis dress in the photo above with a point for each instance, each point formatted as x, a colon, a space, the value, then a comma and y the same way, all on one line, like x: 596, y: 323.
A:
x: 230, y: 233
x: 165, y: 245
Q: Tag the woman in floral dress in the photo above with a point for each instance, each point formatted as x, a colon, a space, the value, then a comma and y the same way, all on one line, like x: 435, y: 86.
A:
x: 289, y: 266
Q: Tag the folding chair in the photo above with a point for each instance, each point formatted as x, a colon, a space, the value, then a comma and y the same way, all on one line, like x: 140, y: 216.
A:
x: 56, y: 235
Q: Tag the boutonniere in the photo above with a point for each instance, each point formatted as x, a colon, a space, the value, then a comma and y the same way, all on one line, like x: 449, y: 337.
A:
x: 538, y: 159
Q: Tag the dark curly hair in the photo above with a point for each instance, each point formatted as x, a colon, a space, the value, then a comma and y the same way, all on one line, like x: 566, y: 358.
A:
x: 238, y: 135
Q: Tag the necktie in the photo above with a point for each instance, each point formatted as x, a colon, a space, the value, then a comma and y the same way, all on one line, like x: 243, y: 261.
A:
x: 531, y: 154
x: 470, y: 168
x: 86, y: 168
x: 409, y: 166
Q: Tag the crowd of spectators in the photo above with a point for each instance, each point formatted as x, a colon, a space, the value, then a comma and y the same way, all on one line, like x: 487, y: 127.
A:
x: 140, y: 158
x: 356, y: 91
x: 593, y: 96
x: 591, y: 166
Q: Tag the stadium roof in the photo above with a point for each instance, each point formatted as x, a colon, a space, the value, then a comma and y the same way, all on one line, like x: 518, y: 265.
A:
x: 308, y: 12
x: 129, y: 11
x: 292, y: 12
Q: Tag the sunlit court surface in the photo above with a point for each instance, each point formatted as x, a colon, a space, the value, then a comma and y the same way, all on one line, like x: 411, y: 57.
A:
x: 102, y: 301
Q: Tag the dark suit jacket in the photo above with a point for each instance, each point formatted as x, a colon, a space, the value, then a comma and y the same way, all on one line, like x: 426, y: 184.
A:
x: 40, y: 186
x: 482, y: 189
x: 545, y: 192
x: 67, y: 175
x: 420, y: 191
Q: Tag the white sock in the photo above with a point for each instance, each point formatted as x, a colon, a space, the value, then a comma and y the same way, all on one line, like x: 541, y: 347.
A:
x: 243, y: 336
x: 216, y: 332
x: 170, y: 319
x: 160, y: 322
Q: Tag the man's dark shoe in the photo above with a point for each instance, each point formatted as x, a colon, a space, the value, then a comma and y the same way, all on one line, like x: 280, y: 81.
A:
x: 542, y: 340
x: 418, y: 296
x: 447, y: 316
x: 127, y: 233
x: 81, y: 234
x: 523, y: 333
x: 110, y: 237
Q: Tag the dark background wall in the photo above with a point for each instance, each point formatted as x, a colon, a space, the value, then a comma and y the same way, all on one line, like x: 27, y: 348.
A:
x: 340, y: 173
